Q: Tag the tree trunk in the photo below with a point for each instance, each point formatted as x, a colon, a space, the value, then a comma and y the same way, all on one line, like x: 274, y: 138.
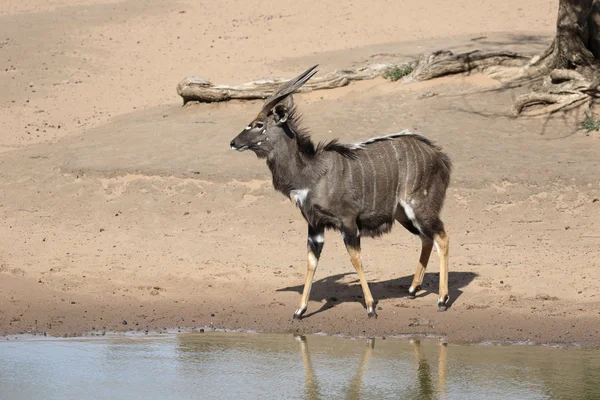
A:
x: 577, y: 40
x: 569, y: 65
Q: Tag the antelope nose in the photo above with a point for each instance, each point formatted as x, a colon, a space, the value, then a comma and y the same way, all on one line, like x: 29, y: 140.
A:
x: 232, y: 144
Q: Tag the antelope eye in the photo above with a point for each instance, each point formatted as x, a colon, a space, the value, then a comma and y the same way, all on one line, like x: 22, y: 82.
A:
x: 259, y: 125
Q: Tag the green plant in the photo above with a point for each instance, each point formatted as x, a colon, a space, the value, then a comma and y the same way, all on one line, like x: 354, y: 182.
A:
x: 397, y: 72
x: 590, y: 124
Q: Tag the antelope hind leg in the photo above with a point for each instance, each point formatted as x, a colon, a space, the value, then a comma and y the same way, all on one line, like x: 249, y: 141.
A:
x: 442, y: 242
x: 426, y: 246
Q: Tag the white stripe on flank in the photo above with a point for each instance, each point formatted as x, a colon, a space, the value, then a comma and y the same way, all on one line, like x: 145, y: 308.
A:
x: 349, y: 172
x: 397, y: 165
x: 407, y: 168
x: 374, y: 205
x: 386, y: 175
x: 362, y: 182
x: 424, y: 161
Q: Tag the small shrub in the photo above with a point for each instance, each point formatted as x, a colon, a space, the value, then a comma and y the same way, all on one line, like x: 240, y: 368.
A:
x: 397, y: 72
x: 590, y: 124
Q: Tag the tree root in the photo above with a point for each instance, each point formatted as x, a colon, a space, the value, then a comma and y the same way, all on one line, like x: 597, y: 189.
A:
x: 444, y: 62
x: 562, y: 88
x: 554, y: 101
x: 199, y: 89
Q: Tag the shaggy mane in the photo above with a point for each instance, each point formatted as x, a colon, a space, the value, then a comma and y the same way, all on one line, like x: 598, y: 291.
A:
x: 348, y: 150
x: 340, y: 148
x: 305, y: 143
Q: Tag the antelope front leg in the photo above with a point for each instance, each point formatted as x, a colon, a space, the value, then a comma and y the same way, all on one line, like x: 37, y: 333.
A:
x: 352, y: 242
x: 315, y: 242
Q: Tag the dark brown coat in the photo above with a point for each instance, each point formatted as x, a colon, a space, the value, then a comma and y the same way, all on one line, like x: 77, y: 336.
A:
x: 358, y: 189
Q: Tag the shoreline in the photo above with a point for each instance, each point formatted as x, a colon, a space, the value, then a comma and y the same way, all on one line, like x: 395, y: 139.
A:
x: 399, y: 318
x: 153, y: 334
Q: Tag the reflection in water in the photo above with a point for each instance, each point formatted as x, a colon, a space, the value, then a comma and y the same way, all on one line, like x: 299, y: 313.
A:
x: 249, y: 366
x: 356, y: 380
x: 426, y: 385
x: 427, y: 388
x: 312, y: 386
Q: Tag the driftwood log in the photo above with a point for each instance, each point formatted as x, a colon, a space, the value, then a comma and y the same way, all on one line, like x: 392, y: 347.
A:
x: 198, y: 89
x: 429, y: 66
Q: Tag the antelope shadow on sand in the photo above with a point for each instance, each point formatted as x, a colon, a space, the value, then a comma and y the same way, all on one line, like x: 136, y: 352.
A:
x: 332, y: 291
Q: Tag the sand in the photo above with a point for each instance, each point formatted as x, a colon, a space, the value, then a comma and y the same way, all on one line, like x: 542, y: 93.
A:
x: 122, y: 210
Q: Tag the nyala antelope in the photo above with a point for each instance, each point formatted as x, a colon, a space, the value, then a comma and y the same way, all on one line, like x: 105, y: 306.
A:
x: 357, y: 189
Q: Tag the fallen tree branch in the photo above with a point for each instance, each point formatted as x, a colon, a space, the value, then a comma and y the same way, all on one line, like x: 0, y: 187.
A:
x: 198, y: 89
x: 429, y: 66
x: 561, y: 88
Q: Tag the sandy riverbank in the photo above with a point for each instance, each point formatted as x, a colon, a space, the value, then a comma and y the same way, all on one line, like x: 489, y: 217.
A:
x: 119, y: 205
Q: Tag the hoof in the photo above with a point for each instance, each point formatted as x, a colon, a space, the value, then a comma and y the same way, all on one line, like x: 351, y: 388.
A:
x: 299, y: 313
x: 412, y: 292
x: 371, y: 313
x: 443, y: 304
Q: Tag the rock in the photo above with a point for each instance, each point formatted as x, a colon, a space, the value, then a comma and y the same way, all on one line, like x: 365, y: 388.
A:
x: 420, y: 322
x: 124, y: 322
x: 426, y: 94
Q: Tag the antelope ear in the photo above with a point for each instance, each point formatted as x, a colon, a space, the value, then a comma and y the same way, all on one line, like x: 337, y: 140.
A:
x: 288, y: 102
x: 280, y: 113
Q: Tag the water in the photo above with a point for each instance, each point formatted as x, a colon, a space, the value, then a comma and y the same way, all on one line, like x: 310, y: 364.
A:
x: 256, y: 366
